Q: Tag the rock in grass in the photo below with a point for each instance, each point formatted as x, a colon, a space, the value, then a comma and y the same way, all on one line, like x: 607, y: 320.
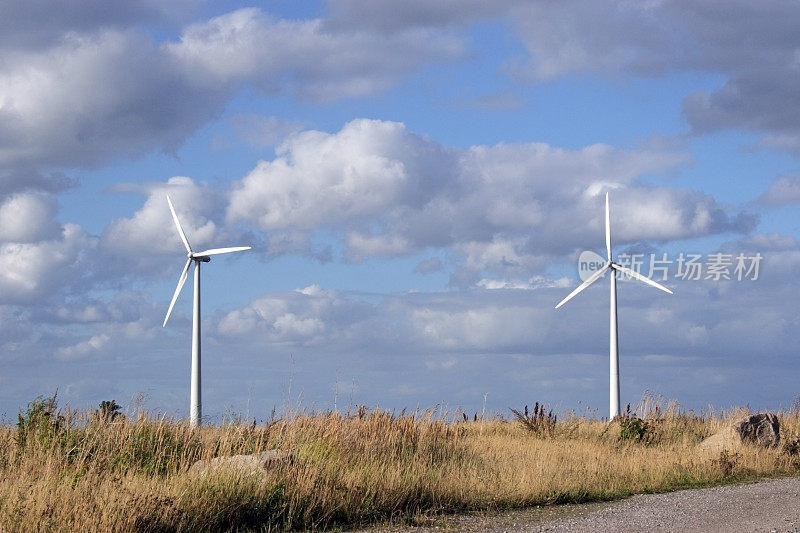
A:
x: 762, y: 429
x: 243, y: 464
x: 725, y: 439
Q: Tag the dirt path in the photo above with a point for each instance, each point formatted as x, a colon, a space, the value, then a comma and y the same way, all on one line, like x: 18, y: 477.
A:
x: 766, y: 506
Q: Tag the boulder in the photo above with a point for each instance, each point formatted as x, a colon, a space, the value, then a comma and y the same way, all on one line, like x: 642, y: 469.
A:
x: 725, y: 439
x: 762, y: 429
x: 243, y: 464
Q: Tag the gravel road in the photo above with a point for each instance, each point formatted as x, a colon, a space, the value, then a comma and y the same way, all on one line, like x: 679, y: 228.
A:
x: 766, y: 506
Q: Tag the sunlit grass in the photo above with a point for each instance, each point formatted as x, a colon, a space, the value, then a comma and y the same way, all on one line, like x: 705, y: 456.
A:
x: 74, y: 471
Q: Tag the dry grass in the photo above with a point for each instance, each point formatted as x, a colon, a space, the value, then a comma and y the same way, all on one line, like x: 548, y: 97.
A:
x: 83, y: 472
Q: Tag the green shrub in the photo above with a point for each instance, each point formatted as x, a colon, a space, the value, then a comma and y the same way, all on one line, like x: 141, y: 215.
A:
x: 632, y: 428
x: 40, y: 422
x: 108, y: 411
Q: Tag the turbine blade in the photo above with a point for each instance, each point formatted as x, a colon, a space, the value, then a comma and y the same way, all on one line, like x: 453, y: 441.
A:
x: 217, y: 251
x: 594, y: 277
x: 608, y: 230
x: 181, y: 281
x: 178, y: 224
x: 636, y: 275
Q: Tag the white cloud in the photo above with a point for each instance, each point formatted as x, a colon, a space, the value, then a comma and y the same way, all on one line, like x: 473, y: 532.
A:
x: 300, y: 317
x: 536, y: 282
x: 484, y: 328
x: 771, y: 242
x: 388, y: 15
x: 670, y: 214
x: 92, y: 347
x: 30, y: 271
x: 409, y: 329
x: 83, y: 86
x: 504, y: 208
x: 784, y: 191
x: 312, y: 290
x: 314, y: 60
x: 40, y: 23
x: 28, y: 217
x: 754, y: 45
x: 152, y: 228
x: 319, y: 178
x: 93, y: 96
x: 568, y: 37
x: 84, y: 96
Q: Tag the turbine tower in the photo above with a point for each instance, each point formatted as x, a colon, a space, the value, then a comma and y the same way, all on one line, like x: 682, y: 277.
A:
x: 612, y: 348
x: 195, y: 402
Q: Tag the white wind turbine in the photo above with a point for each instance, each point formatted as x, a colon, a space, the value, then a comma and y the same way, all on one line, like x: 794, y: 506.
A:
x: 613, y: 350
x: 195, y: 403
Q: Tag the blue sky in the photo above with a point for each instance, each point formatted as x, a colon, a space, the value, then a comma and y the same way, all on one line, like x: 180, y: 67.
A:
x: 417, y: 180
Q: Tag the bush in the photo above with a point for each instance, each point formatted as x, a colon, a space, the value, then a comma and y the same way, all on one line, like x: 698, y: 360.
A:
x: 39, y: 421
x: 792, y: 446
x: 540, y: 422
x: 632, y: 428
x: 108, y: 411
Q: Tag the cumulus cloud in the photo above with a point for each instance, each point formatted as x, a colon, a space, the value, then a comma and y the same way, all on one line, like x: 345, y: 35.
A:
x: 565, y: 38
x: 94, y: 346
x: 307, y: 57
x: 770, y: 242
x: 152, y: 228
x: 497, y: 340
x: 39, y: 23
x: 784, y: 191
x: 320, y: 178
x: 124, y: 306
x: 499, y: 329
x: 752, y: 45
x: 52, y: 346
x: 94, y: 96
x: 505, y: 208
x: 30, y: 271
x: 27, y: 179
x: 392, y: 16
x: 28, y: 217
x: 309, y: 315
x: 505, y: 341
x: 100, y: 91
x: 88, y: 87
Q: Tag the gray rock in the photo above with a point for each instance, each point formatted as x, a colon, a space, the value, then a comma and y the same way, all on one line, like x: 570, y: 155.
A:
x: 762, y: 429
x: 243, y: 464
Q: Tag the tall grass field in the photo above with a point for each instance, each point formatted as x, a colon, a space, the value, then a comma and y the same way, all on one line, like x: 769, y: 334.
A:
x: 98, y: 470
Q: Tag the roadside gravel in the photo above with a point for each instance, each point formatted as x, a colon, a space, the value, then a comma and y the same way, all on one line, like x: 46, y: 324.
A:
x: 766, y: 506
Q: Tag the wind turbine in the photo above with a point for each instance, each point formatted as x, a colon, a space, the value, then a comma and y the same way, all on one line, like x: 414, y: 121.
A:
x: 612, y: 348
x: 195, y: 402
